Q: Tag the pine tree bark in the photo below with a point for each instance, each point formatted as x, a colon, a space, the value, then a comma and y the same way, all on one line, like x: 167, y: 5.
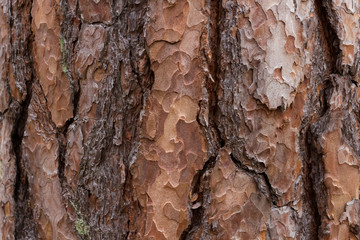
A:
x: 179, y: 119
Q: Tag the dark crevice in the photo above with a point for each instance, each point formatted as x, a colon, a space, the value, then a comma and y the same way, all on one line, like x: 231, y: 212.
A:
x: 25, y: 226
x: 64, y: 129
x: 312, y: 172
x: 67, y: 192
x: 68, y: 39
x: 273, y: 196
x: 212, y: 58
x: 198, y: 206
x: 206, y: 119
x: 61, y: 161
x: 2, y: 114
x: 209, y: 106
x: 314, y: 124
x: 251, y: 162
x: 214, y: 65
x: 325, y: 95
x: 23, y: 211
x: 313, y: 166
x: 330, y: 36
x: 261, y: 178
x: 313, y: 175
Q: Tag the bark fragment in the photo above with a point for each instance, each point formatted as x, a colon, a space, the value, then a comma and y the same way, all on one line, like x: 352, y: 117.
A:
x: 40, y: 153
x: 47, y: 57
x: 172, y: 144
x: 237, y: 208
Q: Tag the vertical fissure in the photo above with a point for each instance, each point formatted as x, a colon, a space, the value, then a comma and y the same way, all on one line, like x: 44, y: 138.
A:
x: 23, y: 211
x: 206, y: 118
x: 313, y: 125
x: 25, y: 226
x: 312, y: 170
x: 329, y: 35
x: 199, y: 197
x: 211, y: 59
x: 67, y: 40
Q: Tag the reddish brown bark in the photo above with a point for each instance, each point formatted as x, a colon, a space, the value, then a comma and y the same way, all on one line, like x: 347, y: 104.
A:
x: 179, y: 119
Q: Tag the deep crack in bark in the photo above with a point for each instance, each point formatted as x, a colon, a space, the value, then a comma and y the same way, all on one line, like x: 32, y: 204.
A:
x: 314, y: 169
x: 25, y: 226
x: 260, y: 177
x: 332, y: 41
x: 199, y: 189
x: 68, y: 39
x: 23, y: 211
x: 313, y: 125
x: 206, y: 118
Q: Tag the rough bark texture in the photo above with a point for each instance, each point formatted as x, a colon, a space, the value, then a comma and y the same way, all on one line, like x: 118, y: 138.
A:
x: 179, y: 119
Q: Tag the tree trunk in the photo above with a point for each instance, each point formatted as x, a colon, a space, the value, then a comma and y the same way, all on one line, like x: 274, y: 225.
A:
x: 179, y: 119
